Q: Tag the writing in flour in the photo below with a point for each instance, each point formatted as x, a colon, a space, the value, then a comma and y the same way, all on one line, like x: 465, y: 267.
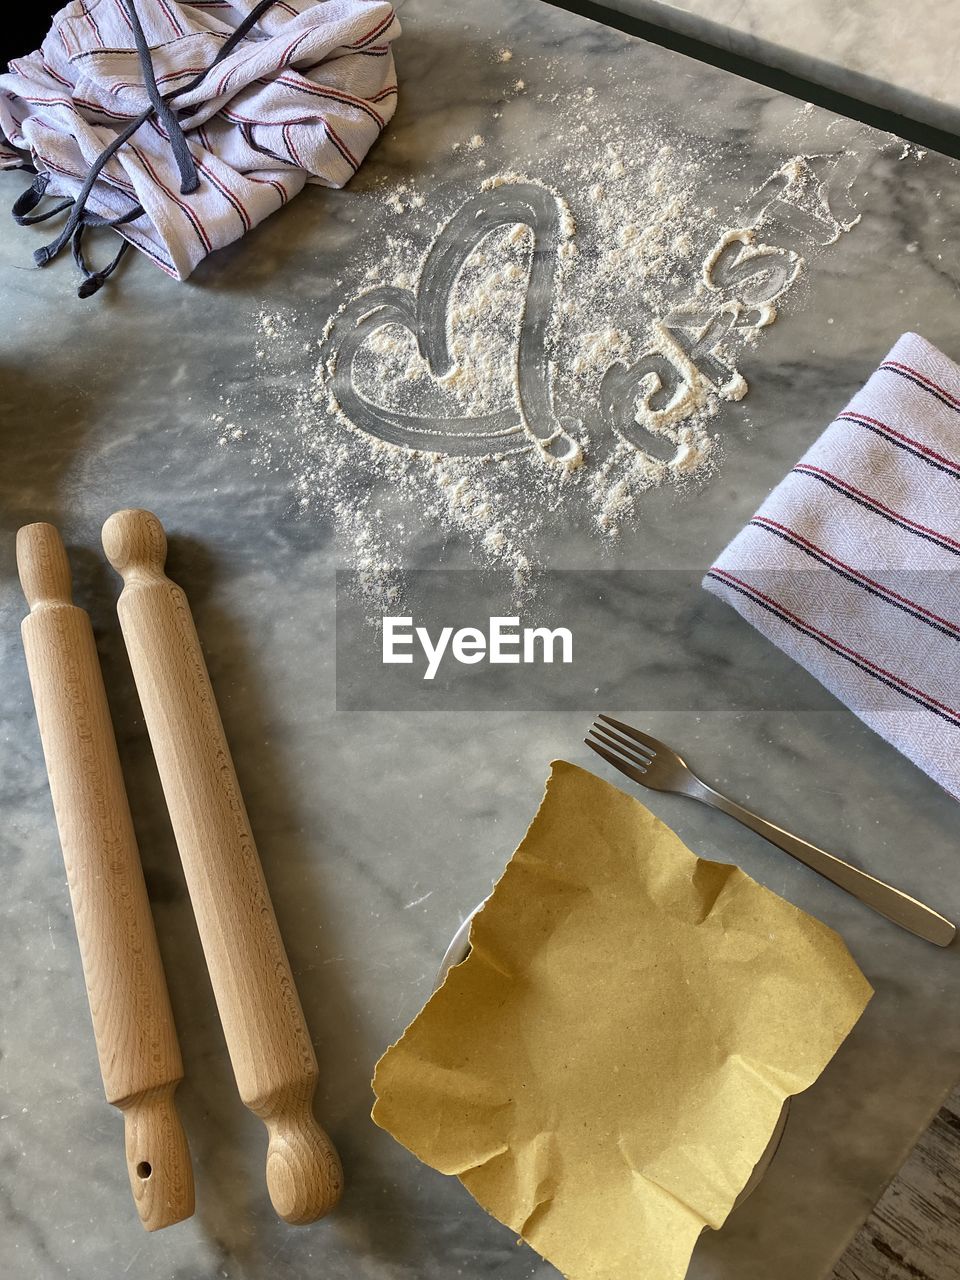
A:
x: 590, y: 306
x: 527, y: 417
x: 689, y: 351
x: 685, y: 356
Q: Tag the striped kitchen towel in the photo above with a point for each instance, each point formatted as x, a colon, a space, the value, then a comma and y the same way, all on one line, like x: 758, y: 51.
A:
x: 182, y: 125
x: 852, y: 564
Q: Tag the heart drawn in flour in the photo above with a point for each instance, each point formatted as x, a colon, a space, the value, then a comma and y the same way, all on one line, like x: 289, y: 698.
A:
x: 529, y: 422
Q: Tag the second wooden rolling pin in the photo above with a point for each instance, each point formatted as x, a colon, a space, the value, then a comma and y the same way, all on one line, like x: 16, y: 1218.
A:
x: 266, y: 1034
x: 132, y: 1020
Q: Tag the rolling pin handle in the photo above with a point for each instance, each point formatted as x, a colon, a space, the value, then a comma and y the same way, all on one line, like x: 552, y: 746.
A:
x: 158, y: 1159
x: 304, y: 1174
x: 43, y: 566
x: 135, y: 543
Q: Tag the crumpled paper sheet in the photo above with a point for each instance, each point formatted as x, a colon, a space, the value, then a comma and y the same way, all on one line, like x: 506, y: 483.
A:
x: 607, y: 1066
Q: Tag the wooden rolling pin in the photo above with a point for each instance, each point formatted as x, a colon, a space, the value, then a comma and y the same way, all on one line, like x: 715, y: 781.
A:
x: 132, y: 1020
x: 270, y: 1047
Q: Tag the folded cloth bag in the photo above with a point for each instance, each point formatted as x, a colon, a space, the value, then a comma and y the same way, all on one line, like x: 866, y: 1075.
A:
x: 852, y: 564
x: 239, y: 106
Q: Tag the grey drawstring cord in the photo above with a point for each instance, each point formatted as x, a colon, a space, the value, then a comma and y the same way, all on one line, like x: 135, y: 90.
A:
x: 189, y: 178
x: 78, y: 213
x: 80, y: 217
x: 29, y: 199
x: 94, y: 280
x: 24, y: 217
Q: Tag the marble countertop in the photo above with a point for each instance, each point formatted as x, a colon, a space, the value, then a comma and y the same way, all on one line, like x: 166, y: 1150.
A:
x: 379, y: 831
x: 894, y: 56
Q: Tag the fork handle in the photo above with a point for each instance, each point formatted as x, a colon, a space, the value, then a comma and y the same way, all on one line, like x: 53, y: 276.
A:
x: 890, y: 902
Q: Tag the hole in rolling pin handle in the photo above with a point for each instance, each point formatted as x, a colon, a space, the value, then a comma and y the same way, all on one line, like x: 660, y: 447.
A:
x: 144, y: 1169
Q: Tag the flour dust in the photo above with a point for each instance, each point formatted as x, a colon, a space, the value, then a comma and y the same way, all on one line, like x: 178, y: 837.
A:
x: 615, y: 318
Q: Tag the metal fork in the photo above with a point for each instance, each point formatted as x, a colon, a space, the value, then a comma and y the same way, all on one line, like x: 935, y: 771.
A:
x: 652, y: 763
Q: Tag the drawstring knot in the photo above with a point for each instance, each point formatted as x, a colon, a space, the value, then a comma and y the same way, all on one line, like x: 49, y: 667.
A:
x: 92, y: 283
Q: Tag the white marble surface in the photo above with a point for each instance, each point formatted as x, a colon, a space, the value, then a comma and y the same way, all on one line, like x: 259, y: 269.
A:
x: 899, y: 56
x: 358, y: 816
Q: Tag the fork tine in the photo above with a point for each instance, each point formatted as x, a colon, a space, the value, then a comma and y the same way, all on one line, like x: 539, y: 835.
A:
x: 638, y: 747
x: 623, y: 746
x: 617, y: 761
x: 652, y: 744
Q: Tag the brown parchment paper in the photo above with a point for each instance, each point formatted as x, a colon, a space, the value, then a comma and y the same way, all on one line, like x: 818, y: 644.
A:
x: 607, y: 1066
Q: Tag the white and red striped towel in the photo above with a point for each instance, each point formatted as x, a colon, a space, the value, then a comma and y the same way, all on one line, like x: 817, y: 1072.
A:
x: 852, y: 564
x: 301, y: 98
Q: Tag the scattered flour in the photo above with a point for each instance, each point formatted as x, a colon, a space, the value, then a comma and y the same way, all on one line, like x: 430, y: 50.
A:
x: 633, y: 241
x: 596, y: 351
